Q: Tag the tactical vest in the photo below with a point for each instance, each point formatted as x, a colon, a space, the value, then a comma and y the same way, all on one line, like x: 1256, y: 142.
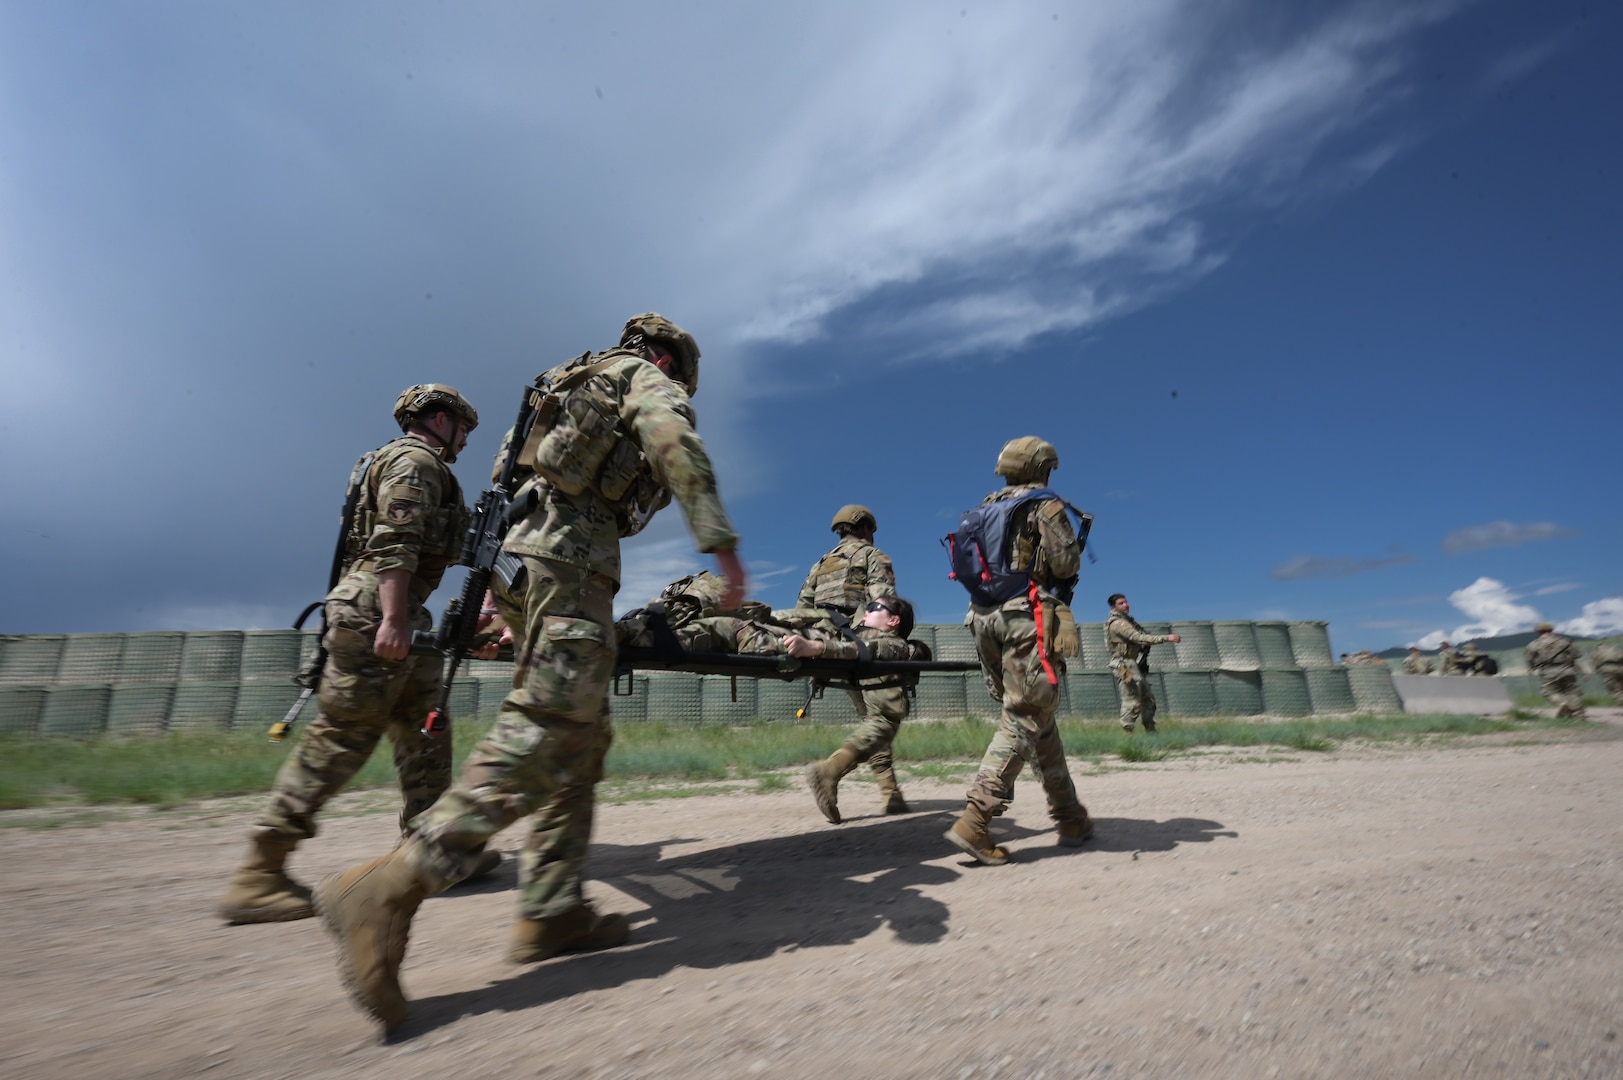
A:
x: 700, y: 596
x: 578, y: 443
x: 839, y: 581
x: 443, y: 527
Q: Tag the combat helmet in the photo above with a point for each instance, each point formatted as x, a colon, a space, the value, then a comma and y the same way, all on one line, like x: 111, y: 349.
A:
x: 415, y: 399
x: 1026, y: 460
x: 652, y: 326
x: 855, y: 517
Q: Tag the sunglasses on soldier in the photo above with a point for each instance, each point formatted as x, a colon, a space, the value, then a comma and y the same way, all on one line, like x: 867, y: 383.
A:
x: 877, y: 606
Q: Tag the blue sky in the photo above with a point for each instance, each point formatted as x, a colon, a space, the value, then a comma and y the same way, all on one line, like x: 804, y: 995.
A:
x: 1313, y: 299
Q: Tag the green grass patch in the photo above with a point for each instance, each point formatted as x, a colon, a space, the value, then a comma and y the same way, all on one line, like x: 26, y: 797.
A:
x: 672, y: 758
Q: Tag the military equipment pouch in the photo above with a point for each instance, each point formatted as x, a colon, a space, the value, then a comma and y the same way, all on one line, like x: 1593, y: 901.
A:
x: 1067, y: 638
x: 570, y: 455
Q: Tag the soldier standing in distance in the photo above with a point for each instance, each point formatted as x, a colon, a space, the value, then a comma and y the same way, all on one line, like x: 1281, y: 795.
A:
x: 622, y: 444
x: 1554, y: 660
x: 849, y: 579
x: 1448, y: 659
x: 407, y: 529
x: 1416, y: 663
x: 1608, y: 661
x: 1129, y: 658
x: 1020, y: 659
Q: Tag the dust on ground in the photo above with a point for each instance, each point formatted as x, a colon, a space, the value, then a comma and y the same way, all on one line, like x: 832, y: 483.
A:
x: 1445, y: 911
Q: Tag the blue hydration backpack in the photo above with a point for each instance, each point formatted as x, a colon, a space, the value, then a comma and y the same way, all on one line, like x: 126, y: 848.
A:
x: 979, y: 550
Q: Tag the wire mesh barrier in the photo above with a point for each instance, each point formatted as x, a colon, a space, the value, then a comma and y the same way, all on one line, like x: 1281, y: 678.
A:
x: 152, y: 683
x: 1310, y: 644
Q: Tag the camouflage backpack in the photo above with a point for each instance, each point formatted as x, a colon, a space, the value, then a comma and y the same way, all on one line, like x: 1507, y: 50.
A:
x: 699, y: 596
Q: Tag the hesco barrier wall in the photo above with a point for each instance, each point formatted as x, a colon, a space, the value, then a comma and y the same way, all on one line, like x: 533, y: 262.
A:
x: 123, y: 684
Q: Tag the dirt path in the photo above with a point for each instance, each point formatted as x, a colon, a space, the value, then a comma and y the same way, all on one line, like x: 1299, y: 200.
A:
x: 1440, y: 912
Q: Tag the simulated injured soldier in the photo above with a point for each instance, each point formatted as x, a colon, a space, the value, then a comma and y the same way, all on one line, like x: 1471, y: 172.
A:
x: 886, y: 622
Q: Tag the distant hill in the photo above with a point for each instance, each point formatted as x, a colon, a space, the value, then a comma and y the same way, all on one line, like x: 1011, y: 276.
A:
x: 1502, y: 643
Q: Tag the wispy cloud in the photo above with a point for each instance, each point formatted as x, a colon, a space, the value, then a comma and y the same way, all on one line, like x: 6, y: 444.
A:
x: 1600, y: 618
x: 1551, y: 590
x: 1312, y: 566
x: 1502, y: 534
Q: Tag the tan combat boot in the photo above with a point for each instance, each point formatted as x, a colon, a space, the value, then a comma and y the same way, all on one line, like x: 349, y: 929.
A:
x: 261, y: 892
x: 368, y: 910
x: 971, y: 834
x: 824, y: 780
x: 1074, y: 832
x: 890, y: 791
x: 576, y: 930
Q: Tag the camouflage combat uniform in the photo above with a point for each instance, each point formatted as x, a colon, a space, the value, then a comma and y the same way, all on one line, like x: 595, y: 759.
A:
x: 846, y: 580
x: 1416, y: 664
x: 1608, y: 661
x: 1555, y: 660
x: 848, y: 577
x: 410, y: 518
x: 1012, y: 661
x: 544, y: 756
x: 1129, y: 646
x: 1448, y: 662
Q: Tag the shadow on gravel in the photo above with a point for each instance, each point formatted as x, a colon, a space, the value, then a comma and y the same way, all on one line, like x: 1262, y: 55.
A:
x: 730, y: 905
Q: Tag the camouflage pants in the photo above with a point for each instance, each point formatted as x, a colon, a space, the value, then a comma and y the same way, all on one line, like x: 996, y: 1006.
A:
x: 544, y: 756
x: 1565, y: 693
x: 1614, y: 683
x: 883, y: 709
x: 1006, y: 640
x: 362, y: 698
x: 1137, y: 698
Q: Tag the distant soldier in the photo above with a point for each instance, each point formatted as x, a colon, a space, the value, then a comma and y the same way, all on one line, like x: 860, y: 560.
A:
x: 855, y: 572
x: 1448, y: 660
x: 1554, y: 660
x: 406, y: 529
x: 1608, y: 661
x: 1416, y: 662
x: 849, y: 580
x: 1468, y: 659
x: 1130, y: 659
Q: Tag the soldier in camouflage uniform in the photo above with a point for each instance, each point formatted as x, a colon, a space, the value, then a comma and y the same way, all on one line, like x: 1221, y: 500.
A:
x: 622, y: 443
x: 1416, y: 663
x: 1554, y: 660
x: 407, y: 528
x: 855, y: 574
x: 1130, y: 660
x: 1021, y: 658
x: 1608, y: 661
x: 1448, y: 660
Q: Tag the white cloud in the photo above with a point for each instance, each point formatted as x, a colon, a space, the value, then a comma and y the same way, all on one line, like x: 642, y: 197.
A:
x: 1551, y: 590
x: 1492, y: 608
x: 1600, y: 618
x: 1502, y: 534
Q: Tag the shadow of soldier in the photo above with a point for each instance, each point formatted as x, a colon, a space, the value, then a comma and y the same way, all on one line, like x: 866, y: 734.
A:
x: 732, y: 904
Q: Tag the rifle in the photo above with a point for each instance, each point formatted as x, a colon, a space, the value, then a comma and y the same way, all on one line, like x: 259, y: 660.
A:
x: 482, y: 554
x: 309, y: 676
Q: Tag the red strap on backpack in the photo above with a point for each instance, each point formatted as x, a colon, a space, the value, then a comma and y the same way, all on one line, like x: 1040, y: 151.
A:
x: 1042, y: 643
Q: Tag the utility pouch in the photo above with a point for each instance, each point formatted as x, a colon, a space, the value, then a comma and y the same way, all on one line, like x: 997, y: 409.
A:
x: 1067, y: 638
